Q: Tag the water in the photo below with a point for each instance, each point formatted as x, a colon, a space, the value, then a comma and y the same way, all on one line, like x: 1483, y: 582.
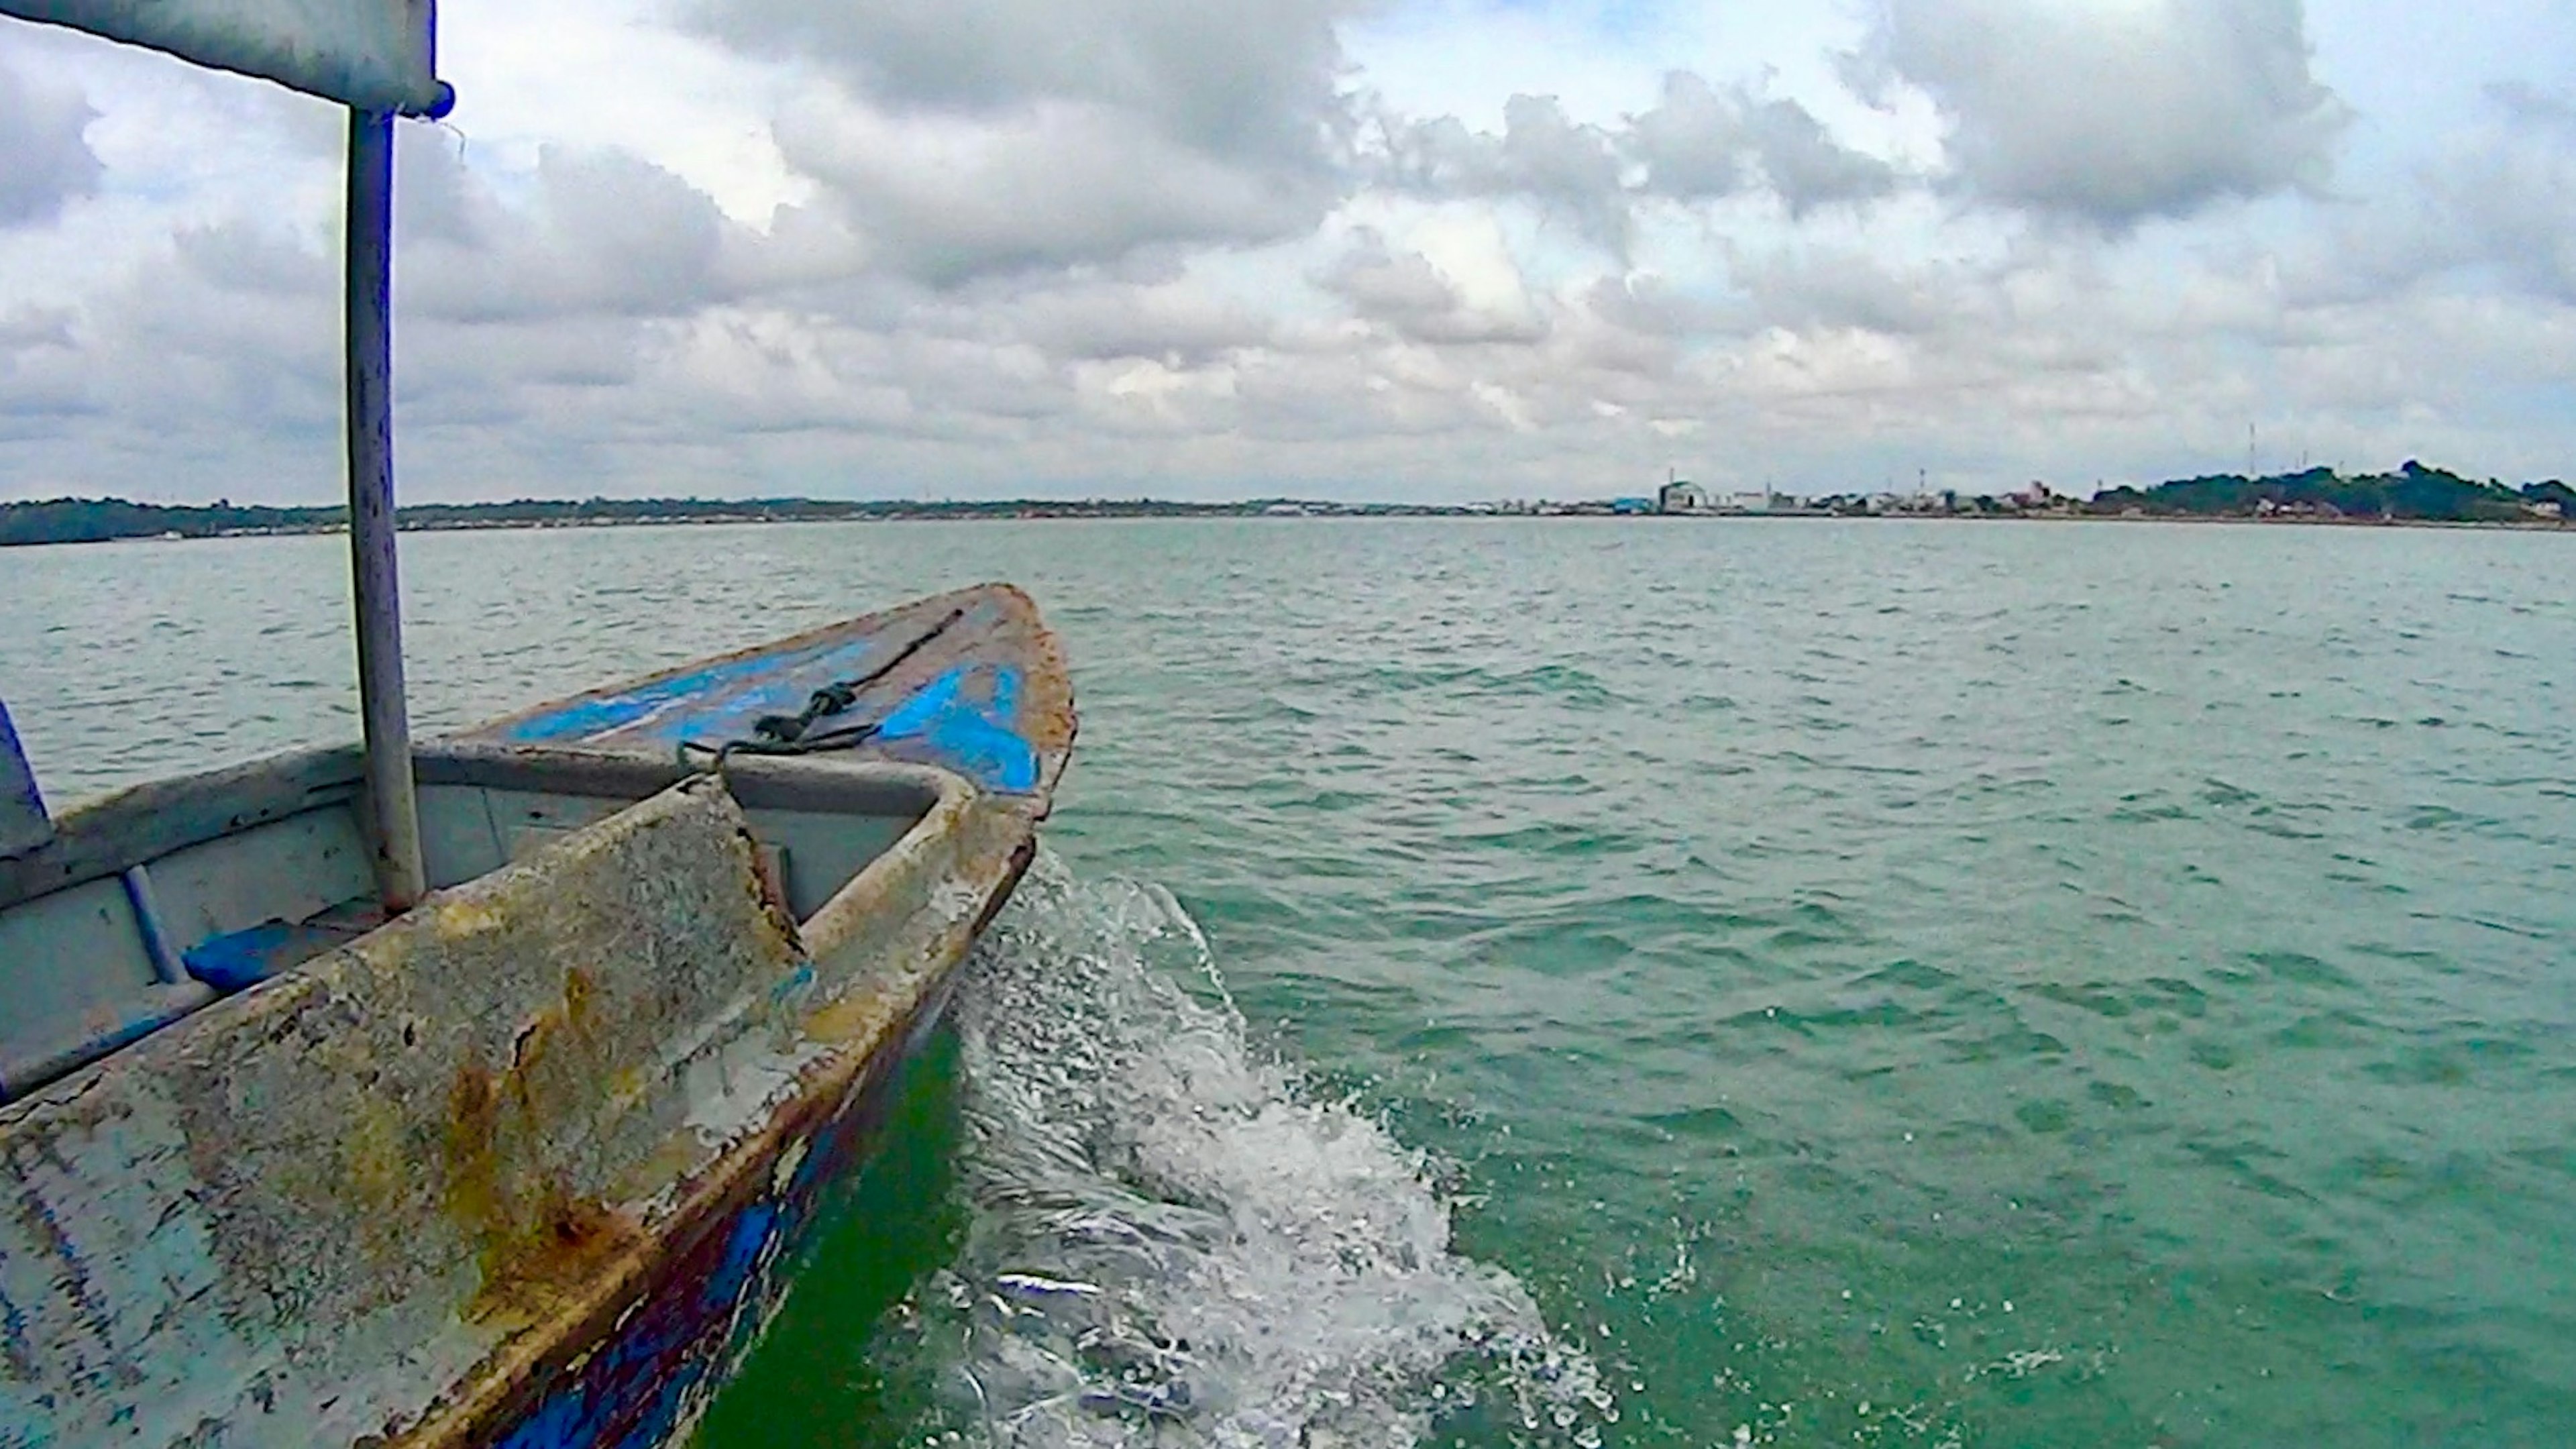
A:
x: 1796, y: 983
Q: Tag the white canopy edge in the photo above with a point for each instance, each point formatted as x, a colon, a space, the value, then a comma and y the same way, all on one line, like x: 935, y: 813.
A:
x: 377, y: 55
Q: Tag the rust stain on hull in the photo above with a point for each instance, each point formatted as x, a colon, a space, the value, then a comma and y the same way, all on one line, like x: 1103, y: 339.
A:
x: 529, y: 1168
x: 634, y: 1357
x: 535, y: 1236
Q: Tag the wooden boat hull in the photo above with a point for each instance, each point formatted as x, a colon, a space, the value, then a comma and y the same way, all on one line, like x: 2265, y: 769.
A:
x: 531, y: 1165
x: 652, y: 1366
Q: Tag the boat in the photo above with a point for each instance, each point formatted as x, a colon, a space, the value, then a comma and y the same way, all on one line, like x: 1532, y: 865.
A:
x: 478, y: 1091
x: 530, y: 1163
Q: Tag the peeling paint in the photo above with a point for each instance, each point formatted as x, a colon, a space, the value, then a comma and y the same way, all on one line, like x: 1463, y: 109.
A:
x: 529, y: 1167
x: 985, y: 699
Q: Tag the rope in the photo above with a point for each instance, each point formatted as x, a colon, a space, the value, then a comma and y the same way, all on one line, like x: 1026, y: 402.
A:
x: 794, y: 734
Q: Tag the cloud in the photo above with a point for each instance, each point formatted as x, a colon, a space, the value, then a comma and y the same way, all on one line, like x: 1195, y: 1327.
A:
x: 2508, y: 198
x: 1651, y: 306
x: 1104, y: 246
x: 1406, y: 292
x: 1058, y: 185
x: 1837, y: 288
x: 2492, y: 206
x: 1098, y: 319
x: 1570, y: 169
x: 2113, y: 112
x: 979, y: 137
x: 1703, y: 143
x: 1253, y: 79
x: 2531, y: 108
x: 45, y: 158
x: 603, y: 231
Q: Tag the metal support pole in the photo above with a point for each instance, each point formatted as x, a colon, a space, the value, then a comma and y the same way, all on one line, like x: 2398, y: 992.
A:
x: 167, y: 964
x: 393, y: 813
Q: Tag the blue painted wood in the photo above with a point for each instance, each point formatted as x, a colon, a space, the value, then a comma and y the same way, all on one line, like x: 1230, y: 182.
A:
x: 977, y: 737
x: 633, y: 1366
x: 24, y: 824
x: 949, y: 681
x: 679, y: 1337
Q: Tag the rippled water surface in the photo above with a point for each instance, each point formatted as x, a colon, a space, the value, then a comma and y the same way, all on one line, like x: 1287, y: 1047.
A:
x: 1631, y: 983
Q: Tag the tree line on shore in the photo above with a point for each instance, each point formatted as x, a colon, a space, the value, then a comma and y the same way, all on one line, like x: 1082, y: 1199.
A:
x: 2412, y: 493
x: 99, y: 520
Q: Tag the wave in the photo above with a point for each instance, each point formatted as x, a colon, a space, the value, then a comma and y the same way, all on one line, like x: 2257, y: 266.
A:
x: 1173, y: 1241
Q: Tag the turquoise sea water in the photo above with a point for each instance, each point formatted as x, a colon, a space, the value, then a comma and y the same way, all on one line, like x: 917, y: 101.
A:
x: 1632, y: 983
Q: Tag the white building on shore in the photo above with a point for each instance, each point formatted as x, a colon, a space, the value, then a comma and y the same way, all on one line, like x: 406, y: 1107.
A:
x: 1681, y: 496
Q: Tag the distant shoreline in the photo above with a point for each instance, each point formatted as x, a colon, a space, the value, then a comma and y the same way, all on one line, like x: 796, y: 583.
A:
x: 1808, y: 515
x: 2437, y: 501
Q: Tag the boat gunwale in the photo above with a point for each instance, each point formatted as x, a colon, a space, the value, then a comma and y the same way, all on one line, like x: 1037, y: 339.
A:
x: 141, y: 823
x: 106, y: 837
x: 810, y: 784
x: 136, y: 826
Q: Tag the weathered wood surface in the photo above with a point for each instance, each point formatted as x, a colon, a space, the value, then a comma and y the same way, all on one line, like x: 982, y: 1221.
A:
x: 982, y: 692
x: 133, y: 827
x: 531, y: 1165
x: 403, y: 1190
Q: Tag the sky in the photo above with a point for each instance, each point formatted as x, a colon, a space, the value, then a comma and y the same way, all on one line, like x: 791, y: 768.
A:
x: 1440, y: 250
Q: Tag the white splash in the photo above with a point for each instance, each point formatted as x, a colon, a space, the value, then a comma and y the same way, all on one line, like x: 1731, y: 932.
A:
x: 1173, y: 1244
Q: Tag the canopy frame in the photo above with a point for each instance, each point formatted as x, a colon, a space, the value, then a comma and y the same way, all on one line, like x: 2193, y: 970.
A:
x: 393, y: 809
x: 379, y: 59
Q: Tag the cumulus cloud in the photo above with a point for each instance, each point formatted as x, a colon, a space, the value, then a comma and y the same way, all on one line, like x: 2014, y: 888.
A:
x: 1651, y: 306
x: 1177, y: 323
x: 1835, y: 288
x: 2509, y: 198
x: 1411, y: 296
x: 1570, y: 169
x: 602, y: 231
x: 2115, y: 111
x: 45, y: 159
x: 985, y: 136
x: 2491, y: 204
x: 1252, y: 79
x: 1703, y: 143
x: 1054, y: 186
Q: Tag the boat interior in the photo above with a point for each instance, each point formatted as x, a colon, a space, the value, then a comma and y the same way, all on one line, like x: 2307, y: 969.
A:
x: 133, y: 913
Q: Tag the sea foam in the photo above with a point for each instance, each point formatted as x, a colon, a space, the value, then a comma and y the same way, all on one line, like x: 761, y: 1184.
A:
x: 1174, y: 1241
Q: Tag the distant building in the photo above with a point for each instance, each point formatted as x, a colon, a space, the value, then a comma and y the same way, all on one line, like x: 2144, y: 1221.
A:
x: 1752, y: 502
x: 1681, y: 496
x: 1632, y: 505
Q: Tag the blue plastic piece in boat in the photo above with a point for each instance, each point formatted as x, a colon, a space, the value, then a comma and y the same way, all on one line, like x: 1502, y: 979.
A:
x: 243, y: 959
